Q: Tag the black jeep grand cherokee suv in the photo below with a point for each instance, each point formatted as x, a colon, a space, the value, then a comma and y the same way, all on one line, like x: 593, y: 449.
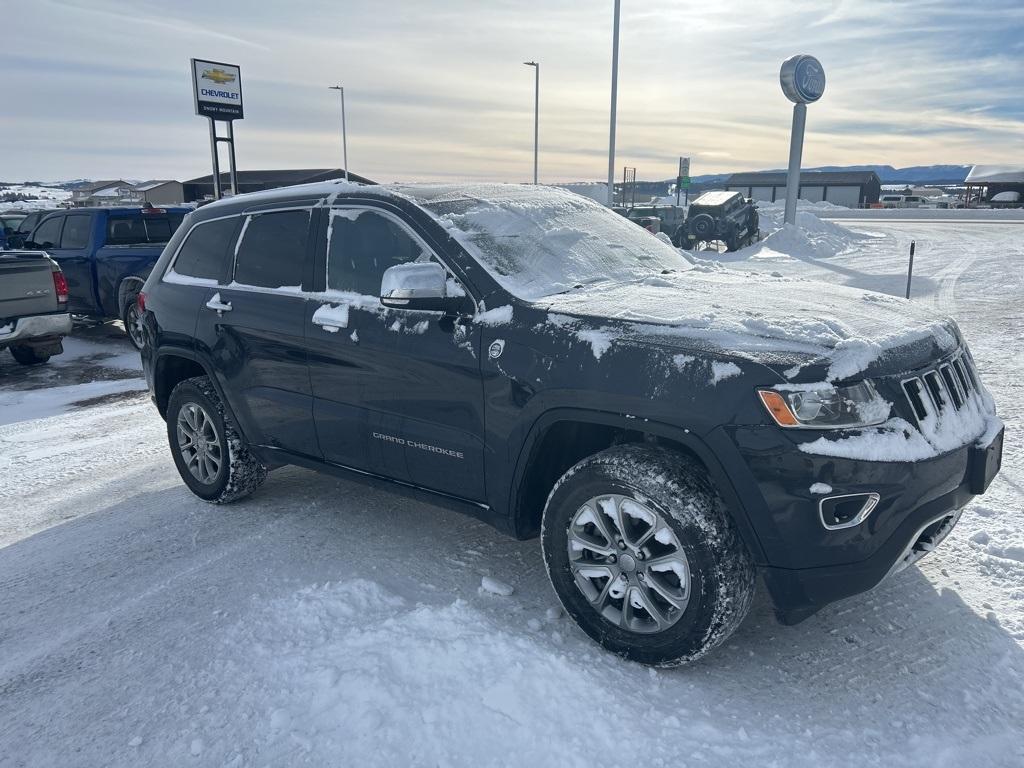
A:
x: 531, y: 358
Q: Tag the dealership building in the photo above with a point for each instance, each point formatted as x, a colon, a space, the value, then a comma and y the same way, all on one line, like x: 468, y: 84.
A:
x: 852, y: 189
x: 256, y: 181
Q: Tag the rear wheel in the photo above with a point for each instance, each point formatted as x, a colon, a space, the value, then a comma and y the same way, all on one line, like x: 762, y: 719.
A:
x: 208, y: 451
x: 644, y: 557
x: 131, y: 317
x: 27, y: 355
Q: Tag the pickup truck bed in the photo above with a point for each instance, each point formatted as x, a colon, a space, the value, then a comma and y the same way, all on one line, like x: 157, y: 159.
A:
x: 33, y: 306
x: 106, y: 255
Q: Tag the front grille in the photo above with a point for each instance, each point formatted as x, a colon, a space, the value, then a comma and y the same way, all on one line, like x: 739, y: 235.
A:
x: 949, y: 385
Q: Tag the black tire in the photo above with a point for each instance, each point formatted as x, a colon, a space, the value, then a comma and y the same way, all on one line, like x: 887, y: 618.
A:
x: 721, y: 571
x: 27, y: 355
x: 702, y: 226
x: 130, y: 317
x: 239, y: 472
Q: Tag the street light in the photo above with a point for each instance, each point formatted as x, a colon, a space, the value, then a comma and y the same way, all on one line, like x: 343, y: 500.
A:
x: 615, y: 93
x: 344, y: 138
x: 536, y: 112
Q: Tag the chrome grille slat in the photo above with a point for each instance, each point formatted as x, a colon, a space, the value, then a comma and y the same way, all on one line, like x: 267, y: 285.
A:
x: 952, y: 387
x: 948, y: 385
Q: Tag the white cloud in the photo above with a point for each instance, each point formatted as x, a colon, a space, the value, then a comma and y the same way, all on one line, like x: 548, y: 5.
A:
x: 438, y: 91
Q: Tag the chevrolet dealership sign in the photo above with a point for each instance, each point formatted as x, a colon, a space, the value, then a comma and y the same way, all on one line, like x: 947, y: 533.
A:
x: 218, y: 90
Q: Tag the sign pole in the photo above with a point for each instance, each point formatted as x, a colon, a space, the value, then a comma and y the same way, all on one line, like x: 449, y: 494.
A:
x: 217, y: 89
x: 231, y: 157
x: 217, y: 191
x: 679, y: 181
x: 803, y: 82
x: 796, y: 149
x: 615, y: 95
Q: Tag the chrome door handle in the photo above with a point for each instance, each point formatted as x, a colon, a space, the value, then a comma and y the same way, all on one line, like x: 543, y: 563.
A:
x: 219, y: 306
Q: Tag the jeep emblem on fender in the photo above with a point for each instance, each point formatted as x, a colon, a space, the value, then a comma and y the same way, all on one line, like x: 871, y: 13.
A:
x: 497, y: 347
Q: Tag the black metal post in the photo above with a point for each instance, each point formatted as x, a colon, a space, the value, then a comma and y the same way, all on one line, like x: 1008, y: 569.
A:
x: 231, y: 157
x: 217, y: 191
x: 910, y: 267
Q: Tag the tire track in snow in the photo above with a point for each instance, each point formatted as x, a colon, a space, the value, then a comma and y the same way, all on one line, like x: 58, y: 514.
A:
x: 945, y: 296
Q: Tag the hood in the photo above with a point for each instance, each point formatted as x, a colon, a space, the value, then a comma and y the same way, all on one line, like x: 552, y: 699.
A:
x: 802, y: 329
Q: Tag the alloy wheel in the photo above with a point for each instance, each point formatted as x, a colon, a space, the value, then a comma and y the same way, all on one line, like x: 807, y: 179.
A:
x: 628, y: 563
x: 199, y: 443
x: 133, y: 326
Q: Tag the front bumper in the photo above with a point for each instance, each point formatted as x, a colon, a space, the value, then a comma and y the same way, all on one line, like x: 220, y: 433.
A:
x: 36, y: 327
x: 808, y: 565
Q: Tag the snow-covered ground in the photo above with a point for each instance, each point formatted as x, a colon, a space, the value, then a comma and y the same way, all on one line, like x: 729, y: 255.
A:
x: 322, y: 622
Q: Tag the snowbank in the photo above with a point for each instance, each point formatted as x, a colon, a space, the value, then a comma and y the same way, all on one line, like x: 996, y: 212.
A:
x: 810, y: 238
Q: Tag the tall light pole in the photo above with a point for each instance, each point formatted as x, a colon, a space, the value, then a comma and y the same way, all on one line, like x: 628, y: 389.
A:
x: 344, y: 138
x: 615, y: 92
x: 536, y: 112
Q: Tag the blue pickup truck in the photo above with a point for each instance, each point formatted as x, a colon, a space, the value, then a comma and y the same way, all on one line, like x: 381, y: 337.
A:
x: 106, y: 255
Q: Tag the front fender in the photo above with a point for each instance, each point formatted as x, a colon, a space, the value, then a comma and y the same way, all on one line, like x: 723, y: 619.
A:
x: 714, y: 449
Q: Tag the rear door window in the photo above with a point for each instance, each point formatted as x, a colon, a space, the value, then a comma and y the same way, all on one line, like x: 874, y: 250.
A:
x: 76, y: 231
x: 272, y: 250
x: 206, y: 251
x: 48, y: 233
x: 142, y: 229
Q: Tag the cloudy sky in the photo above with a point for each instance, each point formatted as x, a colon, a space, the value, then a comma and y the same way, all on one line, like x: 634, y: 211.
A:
x: 436, y: 90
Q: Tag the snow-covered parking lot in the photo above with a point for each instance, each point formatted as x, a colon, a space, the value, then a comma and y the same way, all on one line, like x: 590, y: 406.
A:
x: 322, y: 622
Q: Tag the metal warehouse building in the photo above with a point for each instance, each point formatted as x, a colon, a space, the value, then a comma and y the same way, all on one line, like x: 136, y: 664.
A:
x: 985, y: 182
x: 853, y: 189
x: 257, y: 181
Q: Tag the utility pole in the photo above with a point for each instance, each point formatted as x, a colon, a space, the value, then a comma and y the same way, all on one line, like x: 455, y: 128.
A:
x: 344, y: 138
x: 536, y: 113
x: 615, y: 92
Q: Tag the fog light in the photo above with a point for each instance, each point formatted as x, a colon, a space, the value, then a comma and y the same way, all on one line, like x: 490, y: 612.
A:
x: 847, y: 510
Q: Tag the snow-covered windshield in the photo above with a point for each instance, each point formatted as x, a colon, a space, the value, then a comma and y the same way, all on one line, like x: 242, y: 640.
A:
x: 541, y: 241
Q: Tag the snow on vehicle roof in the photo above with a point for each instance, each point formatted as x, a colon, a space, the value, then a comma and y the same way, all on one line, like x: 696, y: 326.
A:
x: 715, y: 197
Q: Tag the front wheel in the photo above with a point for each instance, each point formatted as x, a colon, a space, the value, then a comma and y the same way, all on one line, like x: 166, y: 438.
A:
x: 207, y: 448
x: 644, y: 557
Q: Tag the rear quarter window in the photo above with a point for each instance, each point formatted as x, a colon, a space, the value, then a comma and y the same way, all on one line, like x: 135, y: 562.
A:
x: 207, y: 250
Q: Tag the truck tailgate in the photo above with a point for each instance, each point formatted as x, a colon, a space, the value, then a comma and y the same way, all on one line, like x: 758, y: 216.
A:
x: 26, y: 285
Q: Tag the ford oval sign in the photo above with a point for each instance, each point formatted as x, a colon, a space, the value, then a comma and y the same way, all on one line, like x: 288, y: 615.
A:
x: 802, y: 78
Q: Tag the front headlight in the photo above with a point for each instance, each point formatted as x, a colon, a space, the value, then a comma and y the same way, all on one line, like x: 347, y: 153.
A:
x: 823, y: 406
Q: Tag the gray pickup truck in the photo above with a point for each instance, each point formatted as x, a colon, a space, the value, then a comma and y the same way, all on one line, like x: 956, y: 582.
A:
x: 34, y: 317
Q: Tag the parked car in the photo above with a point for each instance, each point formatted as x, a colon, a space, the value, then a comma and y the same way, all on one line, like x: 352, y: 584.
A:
x: 719, y: 218
x: 106, y: 255
x: 917, y: 201
x: 9, y: 221
x: 657, y: 218
x: 23, y: 229
x: 529, y: 357
x: 891, y: 201
x: 34, y: 317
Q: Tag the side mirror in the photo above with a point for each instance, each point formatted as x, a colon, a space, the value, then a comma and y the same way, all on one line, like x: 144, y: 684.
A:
x: 418, y: 286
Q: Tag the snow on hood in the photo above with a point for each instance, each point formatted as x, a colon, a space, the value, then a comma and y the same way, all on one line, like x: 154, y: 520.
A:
x: 761, y: 318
